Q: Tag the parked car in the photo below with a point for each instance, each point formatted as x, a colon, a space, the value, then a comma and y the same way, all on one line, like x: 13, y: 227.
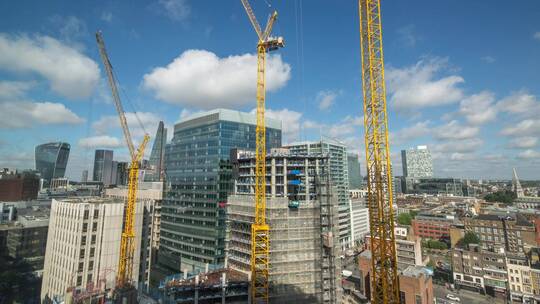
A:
x: 453, y: 297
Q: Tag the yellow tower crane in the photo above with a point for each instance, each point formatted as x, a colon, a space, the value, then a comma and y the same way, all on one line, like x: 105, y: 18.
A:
x: 260, y: 231
x: 384, y: 278
x: 127, y: 246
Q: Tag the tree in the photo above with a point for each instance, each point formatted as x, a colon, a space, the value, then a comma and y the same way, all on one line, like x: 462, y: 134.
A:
x: 404, y: 219
x: 505, y: 196
x: 434, y: 244
x: 469, y: 238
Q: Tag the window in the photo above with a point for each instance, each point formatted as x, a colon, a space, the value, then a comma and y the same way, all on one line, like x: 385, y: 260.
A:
x: 79, y: 280
x: 418, y: 299
x: 81, y: 255
x: 91, y: 265
x: 96, y: 213
x: 81, y: 266
x: 86, y: 213
x: 85, y: 227
x: 402, y: 299
x: 93, y: 240
x: 89, y: 278
x: 92, y: 251
x: 83, y: 240
x: 94, y: 226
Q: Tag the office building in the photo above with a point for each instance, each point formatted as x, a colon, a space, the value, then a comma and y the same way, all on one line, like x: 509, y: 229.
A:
x: 408, y: 251
x: 417, y: 162
x: 18, y: 186
x: 434, y: 186
x: 199, y: 175
x: 355, y: 175
x: 84, y: 177
x: 339, y: 176
x: 359, y: 220
x: 156, y: 169
x: 301, y: 207
x: 103, y: 162
x: 51, y: 160
x: 122, y: 174
x: 83, y: 245
x: 151, y: 195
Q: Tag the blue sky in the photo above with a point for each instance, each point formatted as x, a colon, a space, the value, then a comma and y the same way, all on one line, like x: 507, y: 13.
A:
x: 462, y: 76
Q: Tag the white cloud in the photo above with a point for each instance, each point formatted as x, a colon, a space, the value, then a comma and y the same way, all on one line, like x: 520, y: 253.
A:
x: 521, y: 103
x: 536, y: 35
x: 102, y: 141
x: 479, y: 108
x: 455, y: 131
x: 149, y: 121
x: 408, y: 36
x: 176, y: 10
x: 417, y: 130
x: 107, y: 16
x: 523, y: 128
x: 350, y: 125
x: 529, y: 154
x: 186, y: 113
x: 326, y: 99
x: 24, y: 114
x: 69, y: 72
x: 70, y: 28
x: 459, y: 146
x: 290, y: 122
x: 13, y: 89
x: 523, y: 142
x: 200, y: 79
x: 417, y: 85
x: 488, y: 59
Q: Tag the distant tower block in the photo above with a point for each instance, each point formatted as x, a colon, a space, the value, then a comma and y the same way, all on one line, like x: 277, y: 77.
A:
x: 516, y: 185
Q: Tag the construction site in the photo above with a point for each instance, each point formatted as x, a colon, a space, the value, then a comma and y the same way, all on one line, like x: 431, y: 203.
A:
x: 284, y: 216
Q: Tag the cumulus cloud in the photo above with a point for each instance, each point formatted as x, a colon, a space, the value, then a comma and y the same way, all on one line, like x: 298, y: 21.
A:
x: 13, y: 89
x: 488, y: 59
x: 148, y: 120
x: 529, y: 154
x: 418, y: 85
x: 326, y: 99
x: 107, y: 16
x: 200, y: 79
x: 102, y: 141
x: 479, y: 108
x: 523, y: 128
x: 186, y: 113
x: 347, y: 126
x: 455, y: 131
x: 417, y: 130
x: 290, y: 122
x: 69, y: 72
x: 24, y: 114
x: 536, y: 35
x: 523, y: 142
x: 521, y: 103
x: 176, y: 10
x: 71, y: 28
x: 458, y: 146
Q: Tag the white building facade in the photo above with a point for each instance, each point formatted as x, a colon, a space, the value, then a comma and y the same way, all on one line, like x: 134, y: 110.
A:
x: 83, y: 244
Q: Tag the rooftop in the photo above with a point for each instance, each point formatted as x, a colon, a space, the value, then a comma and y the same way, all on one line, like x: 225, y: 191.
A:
x: 226, y: 115
x: 417, y: 271
x: 210, y: 278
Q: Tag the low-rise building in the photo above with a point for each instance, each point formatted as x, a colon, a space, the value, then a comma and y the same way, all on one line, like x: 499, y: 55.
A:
x: 519, y: 278
x: 432, y: 226
x: 480, y: 270
x: 416, y: 285
x: 18, y: 186
x: 359, y: 220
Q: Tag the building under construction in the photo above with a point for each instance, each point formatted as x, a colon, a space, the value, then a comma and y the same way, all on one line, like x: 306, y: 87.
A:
x: 219, y: 286
x: 301, y: 210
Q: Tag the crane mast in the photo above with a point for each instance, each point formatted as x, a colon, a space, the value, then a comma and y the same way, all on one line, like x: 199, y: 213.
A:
x: 260, y: 231
x: 127, y: 245
x: 384, y: 278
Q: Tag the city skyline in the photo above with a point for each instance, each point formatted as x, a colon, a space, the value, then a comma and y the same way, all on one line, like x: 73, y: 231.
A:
x: 475, y: 121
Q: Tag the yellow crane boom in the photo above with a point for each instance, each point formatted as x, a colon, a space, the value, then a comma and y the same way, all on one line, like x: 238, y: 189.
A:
x: 260, y: 231
x: 127, y: 246
x: 384, y: 278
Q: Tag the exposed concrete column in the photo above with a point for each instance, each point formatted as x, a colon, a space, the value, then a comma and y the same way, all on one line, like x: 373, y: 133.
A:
x: 196, y: 297
x: 223, y: 285
x: 273, y: 177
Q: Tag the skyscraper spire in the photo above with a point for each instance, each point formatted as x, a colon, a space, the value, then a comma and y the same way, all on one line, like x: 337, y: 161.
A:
x: 157, y: 156
x: 516, y: 185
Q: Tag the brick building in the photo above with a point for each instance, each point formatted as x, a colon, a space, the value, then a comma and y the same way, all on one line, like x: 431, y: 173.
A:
x: 18, y: 186
x: 432, y: 226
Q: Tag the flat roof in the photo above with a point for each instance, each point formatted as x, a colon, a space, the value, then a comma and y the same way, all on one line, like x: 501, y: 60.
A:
x: 224, y: 115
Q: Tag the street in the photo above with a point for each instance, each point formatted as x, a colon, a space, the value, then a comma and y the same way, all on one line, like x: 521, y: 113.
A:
x: 467, y: 297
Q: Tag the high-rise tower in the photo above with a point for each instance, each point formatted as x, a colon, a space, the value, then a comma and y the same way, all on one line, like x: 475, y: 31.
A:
x: 51, y: 160
x: 157, y: 156
x: 516, y: 185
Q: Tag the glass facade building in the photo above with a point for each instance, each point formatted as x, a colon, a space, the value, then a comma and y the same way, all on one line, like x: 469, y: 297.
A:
x: 199, y: 177
x: 103, y: 167
x: 154, y: 172
x: 51, y: 160
x: 355, y: 176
